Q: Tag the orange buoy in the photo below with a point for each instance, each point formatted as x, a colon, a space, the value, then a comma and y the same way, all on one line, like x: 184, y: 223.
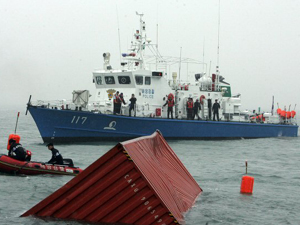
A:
x: 283, y: 113
x: 247, y: 185
x: 288, y: 114
x: 293, y: 113
x: 247, y: 182
x: 279, y: 111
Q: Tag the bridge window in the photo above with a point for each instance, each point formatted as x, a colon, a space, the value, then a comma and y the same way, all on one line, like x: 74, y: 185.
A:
x: 98, y: 80
x: 109, y: 80
x: 147, y: 80
x: 124, y: 79
x: 139, y: 80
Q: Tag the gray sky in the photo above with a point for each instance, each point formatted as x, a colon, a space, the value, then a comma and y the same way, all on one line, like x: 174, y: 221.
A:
x: 50, y: 48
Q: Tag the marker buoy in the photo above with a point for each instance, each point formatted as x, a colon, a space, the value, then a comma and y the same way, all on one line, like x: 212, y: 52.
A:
x: 247, y: 183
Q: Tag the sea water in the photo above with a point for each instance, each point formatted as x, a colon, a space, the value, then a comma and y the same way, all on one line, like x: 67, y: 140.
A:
x: 217, y: 166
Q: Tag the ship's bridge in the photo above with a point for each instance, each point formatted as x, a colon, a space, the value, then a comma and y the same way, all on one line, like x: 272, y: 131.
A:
x: 121, y: 79
x: 129, y: 82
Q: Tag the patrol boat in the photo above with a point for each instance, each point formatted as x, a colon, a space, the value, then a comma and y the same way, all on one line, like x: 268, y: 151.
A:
x: 151, y: 80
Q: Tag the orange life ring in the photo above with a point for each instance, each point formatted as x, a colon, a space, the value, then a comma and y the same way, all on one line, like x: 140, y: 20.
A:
x: 201, y: 99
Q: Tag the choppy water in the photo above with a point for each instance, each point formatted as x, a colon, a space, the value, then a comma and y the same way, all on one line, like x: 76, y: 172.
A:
x: 217, y: 166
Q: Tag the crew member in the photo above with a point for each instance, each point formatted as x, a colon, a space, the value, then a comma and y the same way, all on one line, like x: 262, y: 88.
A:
x: 189, y: 109
x: 215, y: 108
x: 209, y: 108
x: 197, y: 107
x: 56, y: 156
x: 132, y: 104
x: 121, y: 100
x: 16, y: 151
x: 170, y: 102
x: 117, y: 103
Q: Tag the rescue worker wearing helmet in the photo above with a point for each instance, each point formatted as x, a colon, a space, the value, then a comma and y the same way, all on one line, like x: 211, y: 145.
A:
x: 16, y: 151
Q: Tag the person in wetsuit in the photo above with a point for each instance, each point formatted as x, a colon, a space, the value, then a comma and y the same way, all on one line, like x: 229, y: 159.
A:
x: 56, y: 156
x: 16, y: 151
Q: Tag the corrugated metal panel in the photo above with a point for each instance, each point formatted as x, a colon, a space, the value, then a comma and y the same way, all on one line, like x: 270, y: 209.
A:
x: 141, y: 181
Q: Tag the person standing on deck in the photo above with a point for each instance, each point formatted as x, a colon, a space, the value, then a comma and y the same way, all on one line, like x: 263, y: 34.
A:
x: 116, y: 101
x: 121, y: 100
x: 170, y: 102
x: 189, y: 108
x: 132, y: 104
x: 215, y: 108
x: 197, y: 107
x: 209, y: 108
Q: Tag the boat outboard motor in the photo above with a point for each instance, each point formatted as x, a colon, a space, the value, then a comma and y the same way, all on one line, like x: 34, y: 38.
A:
x: 68, y: 162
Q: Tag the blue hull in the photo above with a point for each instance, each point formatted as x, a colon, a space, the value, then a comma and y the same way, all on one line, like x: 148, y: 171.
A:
x: 76, y: 126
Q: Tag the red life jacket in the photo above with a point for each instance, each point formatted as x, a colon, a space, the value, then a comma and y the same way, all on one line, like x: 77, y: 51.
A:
x: 190, y: 105
x: 170, y: 103
x: 117, y: 99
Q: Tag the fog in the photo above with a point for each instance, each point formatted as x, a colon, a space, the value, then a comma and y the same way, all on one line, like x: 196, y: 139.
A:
x: 50, y: 48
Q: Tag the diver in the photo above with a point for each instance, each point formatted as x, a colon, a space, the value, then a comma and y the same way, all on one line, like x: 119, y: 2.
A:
x: 56, y: 156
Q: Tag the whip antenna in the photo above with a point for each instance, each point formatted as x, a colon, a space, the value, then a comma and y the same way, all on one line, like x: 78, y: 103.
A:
x: 119, y: 33
x: 180, y: 63
x: 218, y: 52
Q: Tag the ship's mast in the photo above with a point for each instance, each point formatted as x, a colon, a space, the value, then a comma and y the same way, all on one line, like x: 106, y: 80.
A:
x: 141, y: 41
x: 218, y: 51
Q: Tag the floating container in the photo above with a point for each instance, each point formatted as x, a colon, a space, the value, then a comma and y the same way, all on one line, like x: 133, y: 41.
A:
x: 140, y: 181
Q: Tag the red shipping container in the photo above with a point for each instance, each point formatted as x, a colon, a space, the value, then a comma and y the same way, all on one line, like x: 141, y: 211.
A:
x: 140, y: 181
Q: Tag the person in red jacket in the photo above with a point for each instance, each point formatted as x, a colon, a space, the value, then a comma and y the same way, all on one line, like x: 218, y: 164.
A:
x: 190, y: 108
x: 170, y: 102
x: 117, y: 103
